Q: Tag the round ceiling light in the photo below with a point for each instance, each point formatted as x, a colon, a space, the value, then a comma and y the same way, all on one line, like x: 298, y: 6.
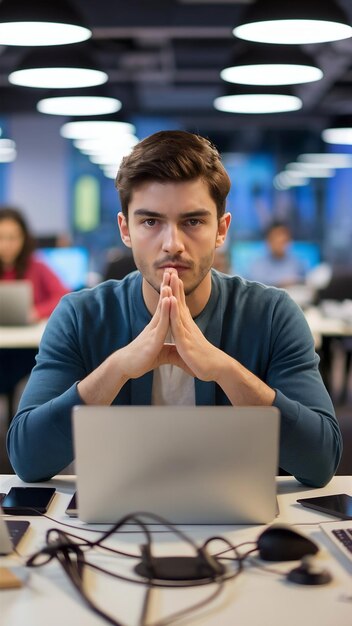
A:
x: 41, y: 34
x: 328, y: 159
x: 295, y: 31
x: 90, y: 129
x: 258, y: 103
x: 298, y: 22
x: 271, y: 74
x: 57, y: 77
x: 97, y: 145
x: 309, y: 170
x: 283, y: 181
x: 79, y: 105
x: 339, y: 136
x: 40, y: 23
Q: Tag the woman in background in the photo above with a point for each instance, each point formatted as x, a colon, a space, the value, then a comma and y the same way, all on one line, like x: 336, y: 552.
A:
x: 17, y: 262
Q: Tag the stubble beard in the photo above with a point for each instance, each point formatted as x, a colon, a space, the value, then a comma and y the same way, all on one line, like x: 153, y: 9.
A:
x: 199, y: 274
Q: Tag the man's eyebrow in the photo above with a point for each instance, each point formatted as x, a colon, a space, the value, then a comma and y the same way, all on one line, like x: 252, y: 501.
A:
x: 186, y: 214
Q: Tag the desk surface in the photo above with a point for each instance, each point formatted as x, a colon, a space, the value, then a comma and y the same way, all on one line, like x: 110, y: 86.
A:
x: 21, y: 336
x: 256, y: 597
x: 327, y: 326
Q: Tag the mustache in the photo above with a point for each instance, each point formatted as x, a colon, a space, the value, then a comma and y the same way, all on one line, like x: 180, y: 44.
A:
x: 173, y: 260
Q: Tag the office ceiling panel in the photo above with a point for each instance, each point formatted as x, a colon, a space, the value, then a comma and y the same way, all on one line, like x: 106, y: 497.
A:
x: 164, y: 57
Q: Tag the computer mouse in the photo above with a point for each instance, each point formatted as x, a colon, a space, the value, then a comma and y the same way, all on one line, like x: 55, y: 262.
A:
x: 281, y: 543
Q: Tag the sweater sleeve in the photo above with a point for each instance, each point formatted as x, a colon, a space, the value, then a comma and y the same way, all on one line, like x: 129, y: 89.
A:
x: 310, y: 439
x: 39, y: 440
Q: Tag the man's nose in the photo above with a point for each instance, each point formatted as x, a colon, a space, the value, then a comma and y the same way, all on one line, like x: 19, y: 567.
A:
x: 173, y: 243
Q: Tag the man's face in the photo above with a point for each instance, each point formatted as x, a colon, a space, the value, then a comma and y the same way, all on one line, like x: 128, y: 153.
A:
x: 278, y: 240
x: 173, y: 225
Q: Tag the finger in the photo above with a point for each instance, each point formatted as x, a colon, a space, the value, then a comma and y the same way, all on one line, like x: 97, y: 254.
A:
x: 165, y: 292
x: 174, y: 284
x: 166, y: 278
x: 175, y: 319
x: 170, y: 356
x: 179, y: 293
x: 171, y: 270
x: 182, y: 294
x: 163, y: 324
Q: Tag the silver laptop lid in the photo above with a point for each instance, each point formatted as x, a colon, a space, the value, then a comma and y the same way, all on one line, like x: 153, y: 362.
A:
x: 192, y: 465
x: 5, y: 541
x: 16, y: 298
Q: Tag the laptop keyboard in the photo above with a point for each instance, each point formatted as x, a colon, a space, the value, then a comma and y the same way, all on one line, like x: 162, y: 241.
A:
x: 342, y: 537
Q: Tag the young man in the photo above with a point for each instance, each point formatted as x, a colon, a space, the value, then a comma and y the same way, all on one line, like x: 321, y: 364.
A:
x: 176, y: 332
x: 278, y: 266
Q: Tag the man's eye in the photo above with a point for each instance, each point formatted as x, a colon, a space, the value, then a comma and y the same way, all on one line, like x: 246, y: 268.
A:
x: 151, y: 221
x: 193, y: 221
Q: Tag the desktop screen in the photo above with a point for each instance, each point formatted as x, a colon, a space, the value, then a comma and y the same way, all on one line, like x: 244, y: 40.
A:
x: 70, y: 264
x: 244, y: 253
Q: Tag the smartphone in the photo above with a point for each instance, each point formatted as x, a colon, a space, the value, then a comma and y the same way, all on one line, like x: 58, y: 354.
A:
x: 71, y: 510
x: 28, y: 500
x: 339, y: 505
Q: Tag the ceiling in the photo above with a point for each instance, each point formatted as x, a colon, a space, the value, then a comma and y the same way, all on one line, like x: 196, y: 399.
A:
x: 163, y: 59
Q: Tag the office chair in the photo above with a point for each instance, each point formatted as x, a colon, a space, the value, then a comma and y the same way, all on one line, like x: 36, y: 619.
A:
x: 339, y: 288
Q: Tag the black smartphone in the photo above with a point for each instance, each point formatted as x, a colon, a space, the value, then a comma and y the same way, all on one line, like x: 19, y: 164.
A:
x: 28, y: 500
x: 72, y: 510
x: 339, y: 505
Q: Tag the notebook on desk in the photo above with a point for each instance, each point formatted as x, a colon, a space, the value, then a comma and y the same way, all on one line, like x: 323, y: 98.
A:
x: 191, y: 465
x: 16, y: 298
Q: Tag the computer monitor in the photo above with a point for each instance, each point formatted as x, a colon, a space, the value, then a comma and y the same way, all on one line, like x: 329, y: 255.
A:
x: 70, y: 264
x: 244, y: 253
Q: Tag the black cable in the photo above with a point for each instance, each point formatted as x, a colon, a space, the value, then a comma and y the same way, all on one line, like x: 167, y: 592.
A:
x: 69, y: 550
x: 239, y: 545
x: 77, y: 527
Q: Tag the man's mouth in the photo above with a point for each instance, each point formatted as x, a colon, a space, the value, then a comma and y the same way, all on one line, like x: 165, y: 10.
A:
x: 176, y: 266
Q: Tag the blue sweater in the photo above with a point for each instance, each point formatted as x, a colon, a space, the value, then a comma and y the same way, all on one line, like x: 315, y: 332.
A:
x: 259, y: 326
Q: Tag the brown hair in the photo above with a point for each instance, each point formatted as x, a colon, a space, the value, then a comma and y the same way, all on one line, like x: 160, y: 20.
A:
x: 176, y: 156
x: 9, y: 213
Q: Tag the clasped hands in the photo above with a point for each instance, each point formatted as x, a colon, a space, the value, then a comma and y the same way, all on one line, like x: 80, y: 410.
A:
x: 191, y: 350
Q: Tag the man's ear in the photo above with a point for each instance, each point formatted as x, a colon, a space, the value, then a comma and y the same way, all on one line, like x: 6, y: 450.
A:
x: 223, y: 227
x: 124, y: 232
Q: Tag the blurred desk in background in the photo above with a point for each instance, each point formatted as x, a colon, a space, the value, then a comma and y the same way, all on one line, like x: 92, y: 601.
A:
x: 18, y: 347
x: 325, y: 329
x: 21, y: 336
x: 322, y: 325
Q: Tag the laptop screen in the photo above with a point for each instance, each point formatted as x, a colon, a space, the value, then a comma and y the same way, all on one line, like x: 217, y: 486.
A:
x: 70, y: 264
x: 189, y: 464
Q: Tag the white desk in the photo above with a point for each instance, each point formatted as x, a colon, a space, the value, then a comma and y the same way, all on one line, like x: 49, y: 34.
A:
x: 256, y: 597
x: 21, y: 336
x: 323, y: 326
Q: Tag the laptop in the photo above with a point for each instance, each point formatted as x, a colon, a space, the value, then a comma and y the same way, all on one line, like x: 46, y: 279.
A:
x: 191, y: 465
x: 340, y: 533
x: 16, y: 299
x: 11, y: 533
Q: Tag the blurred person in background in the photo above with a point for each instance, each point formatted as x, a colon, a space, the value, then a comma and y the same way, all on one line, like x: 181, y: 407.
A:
x: 278, y: 266
x: 17, y: 262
